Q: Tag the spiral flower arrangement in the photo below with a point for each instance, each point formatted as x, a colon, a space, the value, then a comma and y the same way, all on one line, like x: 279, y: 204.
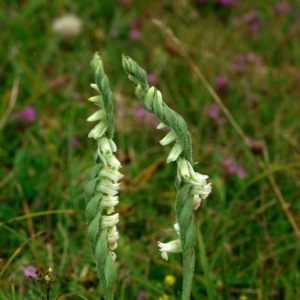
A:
x: 102, y: 187
x: 191, y: 186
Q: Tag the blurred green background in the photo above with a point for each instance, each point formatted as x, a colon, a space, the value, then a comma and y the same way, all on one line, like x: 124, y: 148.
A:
x: 248, y: 228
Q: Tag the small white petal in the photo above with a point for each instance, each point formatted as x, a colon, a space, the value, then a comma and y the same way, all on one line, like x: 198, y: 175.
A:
x: 98, y: 115
x: 113, y: 255
x: 112, y: 236
x: 113, y: 145
x: 169, y: 138
x: 98, y: 131
x: 172, y: 247
x: 198, y: 179
x: 113, y: 162
x: 164, y: 255
x: 177, y: 229
x: 109, y: 202
x: 175, y: 152
x: 105, y: 146
x: 109, y: 221
x: 202, y: 191
x: 107, y: 187
x: 196, y: 202
x: 110, y: 173
x: 161, y: 126
x: 95, y: 87
x: 183, y: 168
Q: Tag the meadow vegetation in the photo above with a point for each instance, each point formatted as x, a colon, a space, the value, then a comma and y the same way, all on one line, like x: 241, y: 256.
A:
x: 231, y: 68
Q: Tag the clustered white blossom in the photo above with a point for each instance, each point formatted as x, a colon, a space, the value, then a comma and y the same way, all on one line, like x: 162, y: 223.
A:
x: 67, y: 25
x: 109, y: 175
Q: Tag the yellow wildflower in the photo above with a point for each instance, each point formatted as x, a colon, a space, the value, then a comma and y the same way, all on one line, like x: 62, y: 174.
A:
x: 170, y: 280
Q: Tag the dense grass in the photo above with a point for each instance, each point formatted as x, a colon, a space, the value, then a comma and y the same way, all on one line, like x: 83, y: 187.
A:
x: 247, y: 246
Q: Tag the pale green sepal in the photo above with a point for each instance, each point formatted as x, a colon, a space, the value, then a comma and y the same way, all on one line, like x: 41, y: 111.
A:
x: 133, y: 79
x: 110, y: 275
x: 92, y: 207
x: 94, y: 229
x: 90, y: 189
x: 113, y: 145
x: 94, y: 171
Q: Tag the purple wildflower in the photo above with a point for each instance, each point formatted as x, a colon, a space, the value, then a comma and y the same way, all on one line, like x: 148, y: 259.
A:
x: 151, y: 78
x: 231, y: 167
x: 221, y: 84
x: 75, y: 142
x: 134, y: 34
x: 221, y: 81
x: 254, y: 26
x: 282, y: 7
x: 241, y: 172
x: 27, y: 114
x: 135, y: 22
x: 250, y: 16
x: 213, y: 111
x: 225, y: 2
x: 238, y: 63
x: 29, y: 271
x: 253, y: 59
x: 142, y: 116
x: 141, y: 295
x: 139, y: 112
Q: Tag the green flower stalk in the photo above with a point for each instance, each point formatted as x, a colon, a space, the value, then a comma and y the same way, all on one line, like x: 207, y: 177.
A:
x: 191, y: 186
x: 102, y: 187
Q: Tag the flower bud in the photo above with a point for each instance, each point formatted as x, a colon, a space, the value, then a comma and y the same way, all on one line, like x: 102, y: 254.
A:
x: 139, y: 91
x: 149, y: 98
